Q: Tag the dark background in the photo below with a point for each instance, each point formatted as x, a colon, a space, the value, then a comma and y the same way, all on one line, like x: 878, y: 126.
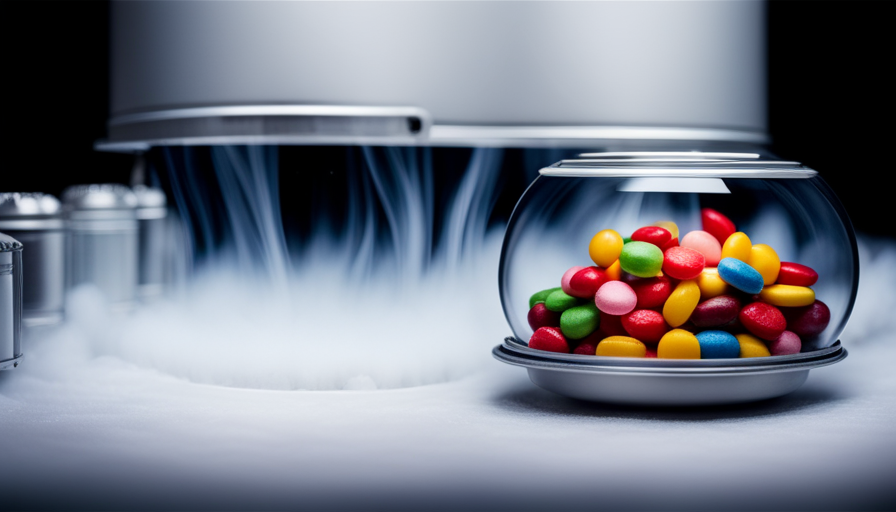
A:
x: 831, y: 104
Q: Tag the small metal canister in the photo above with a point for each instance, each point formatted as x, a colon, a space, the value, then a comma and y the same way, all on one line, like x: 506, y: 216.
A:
x: 10, y: 302
x: 151, y: 214
x: 35, y: 219
x: 103, y: 240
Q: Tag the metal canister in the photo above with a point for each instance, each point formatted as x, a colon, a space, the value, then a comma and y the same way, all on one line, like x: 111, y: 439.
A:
x: 35, y: 219
x: 103, y: 240
x: 151, y: 215
x: 10, y: 302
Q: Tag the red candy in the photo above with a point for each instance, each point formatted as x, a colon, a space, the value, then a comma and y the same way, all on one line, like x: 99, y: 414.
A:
x: 611, y: 325
x: 651, y: 353
x: 717, y: 224
x: 646, y: 325
x: 540, y: 316
x: 716, y: 312
x: 586, y: 348
x: 683, y: 263
x: 588, y: 345
x: 796, y: 275
x: 653, y: 235
x: 670, y: 244
x: 652, y: 292
x: 549, y: 339
x: 809, y: 320
x: 763, y: 320
x: 585, y: 282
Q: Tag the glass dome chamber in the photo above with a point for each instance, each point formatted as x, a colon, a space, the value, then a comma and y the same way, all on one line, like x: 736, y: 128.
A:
x: 778, y: 203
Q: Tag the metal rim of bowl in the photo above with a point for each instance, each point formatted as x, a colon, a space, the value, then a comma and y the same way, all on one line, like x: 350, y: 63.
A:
x: 520, y: 347
x: 503, y: 354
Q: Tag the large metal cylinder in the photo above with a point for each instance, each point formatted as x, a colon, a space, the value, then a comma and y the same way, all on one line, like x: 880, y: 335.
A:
x: 35, y: 220
x: 435, y: 73
x: 152, y: 215
x: 103, y: 240
x: 10, y: 302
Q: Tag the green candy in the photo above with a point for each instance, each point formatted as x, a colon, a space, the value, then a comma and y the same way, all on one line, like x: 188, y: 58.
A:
x: 580, y: 321
x: 539, y: 297
x: 626, y: 240
x: 559, y: 301
x: 641, y: 259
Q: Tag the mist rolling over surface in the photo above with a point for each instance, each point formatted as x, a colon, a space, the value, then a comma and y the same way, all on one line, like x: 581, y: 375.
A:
x: 391, y: 282
x: 327, y: 334
x: 271, y: 379
x: 382, y: 298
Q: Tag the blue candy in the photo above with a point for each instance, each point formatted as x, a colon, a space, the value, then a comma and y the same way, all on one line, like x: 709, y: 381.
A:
x: 718, y: 345
x: 740, y: 275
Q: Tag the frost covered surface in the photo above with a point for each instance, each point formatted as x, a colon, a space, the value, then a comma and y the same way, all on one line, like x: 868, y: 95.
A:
x: 99, y: 416
x: 872, y: 318
x: 322, y: 334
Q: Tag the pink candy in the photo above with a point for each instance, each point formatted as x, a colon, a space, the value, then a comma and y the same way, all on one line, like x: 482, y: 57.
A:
x: 785, y: 344
x: 615, y: 298
x: 705, y: 244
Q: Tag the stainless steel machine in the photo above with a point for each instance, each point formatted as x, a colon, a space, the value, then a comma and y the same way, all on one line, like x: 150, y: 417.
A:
x: 193, y: 81
x: 504, y: 74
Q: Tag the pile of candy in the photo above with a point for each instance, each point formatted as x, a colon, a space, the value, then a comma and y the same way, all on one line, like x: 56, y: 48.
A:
x: 711, y: 295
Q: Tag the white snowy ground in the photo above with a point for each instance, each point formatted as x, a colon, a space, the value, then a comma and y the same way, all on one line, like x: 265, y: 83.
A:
x: 119, y: 429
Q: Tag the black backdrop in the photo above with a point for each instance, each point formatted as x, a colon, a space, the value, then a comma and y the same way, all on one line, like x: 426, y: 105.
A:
x: 831, y: 104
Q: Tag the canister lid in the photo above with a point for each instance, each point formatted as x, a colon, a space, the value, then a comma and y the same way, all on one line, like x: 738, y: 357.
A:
x: 148, y: 197
x: 151, y: 202
x: 8, y: 243
x: 106, y: 196
x: 28, y: 204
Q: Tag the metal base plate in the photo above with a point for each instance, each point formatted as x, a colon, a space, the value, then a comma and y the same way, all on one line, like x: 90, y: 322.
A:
x: 664, y: 385
x: 9, y: 364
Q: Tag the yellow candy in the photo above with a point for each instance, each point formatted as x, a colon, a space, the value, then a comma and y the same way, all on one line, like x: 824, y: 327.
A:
x: 751, y: 346
x: 681, y: 303
x: 668, y: 224
x: 678, y: 344
x: 787, y: 295
x: 765, y: 260
x: 621, y: 346
x: 614, y: 271
x: 710, y: 284
x: 737, y: 246
x: 605, y: 247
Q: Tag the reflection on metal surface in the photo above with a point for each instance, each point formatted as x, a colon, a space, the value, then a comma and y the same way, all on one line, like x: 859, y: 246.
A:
x: 267, y: 124
x: 678, y: 165
x: 677, y: 185
x: 399, y: 126
x: 671, y: 155
x: 666, y: 386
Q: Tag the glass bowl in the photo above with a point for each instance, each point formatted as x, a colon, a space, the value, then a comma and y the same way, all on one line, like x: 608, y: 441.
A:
x: 780, y: 204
